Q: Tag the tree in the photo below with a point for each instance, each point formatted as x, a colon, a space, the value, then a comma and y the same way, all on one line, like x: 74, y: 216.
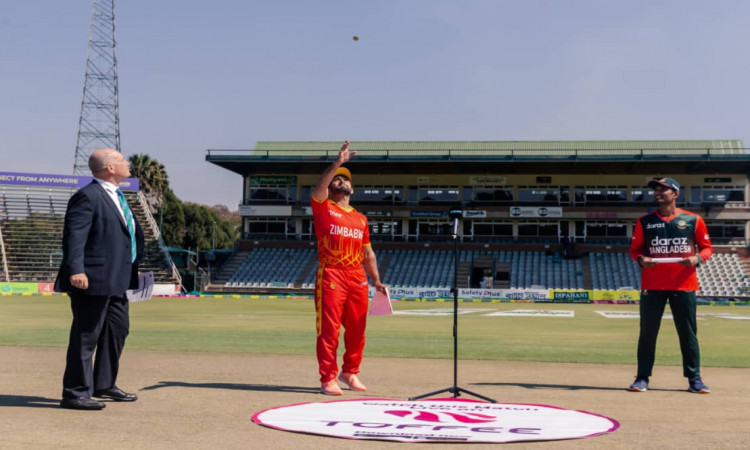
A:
x: 153, y: 177
x: 205, y: 229
x: 183, y: 225
x: 223, y: 213
x: 171, y: 220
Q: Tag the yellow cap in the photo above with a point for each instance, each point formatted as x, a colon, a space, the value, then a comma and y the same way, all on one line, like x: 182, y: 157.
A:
x: 343, y: 171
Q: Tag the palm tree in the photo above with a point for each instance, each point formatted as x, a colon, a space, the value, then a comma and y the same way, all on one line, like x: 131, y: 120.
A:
x: 153, y: 179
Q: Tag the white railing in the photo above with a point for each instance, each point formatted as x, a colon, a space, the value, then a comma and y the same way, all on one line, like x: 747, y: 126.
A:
x: 157, y: 234
x: 5, y: 257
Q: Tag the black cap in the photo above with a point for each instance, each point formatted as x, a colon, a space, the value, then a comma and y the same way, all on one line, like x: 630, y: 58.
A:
x: 670, y: 183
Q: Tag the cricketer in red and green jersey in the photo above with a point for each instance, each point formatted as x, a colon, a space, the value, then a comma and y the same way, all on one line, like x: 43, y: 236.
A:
x: 676, y: 236
x: 664, y: 245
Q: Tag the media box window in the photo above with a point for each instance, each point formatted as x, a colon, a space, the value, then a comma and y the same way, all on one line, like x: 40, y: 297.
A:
x: 434, y: 195
x: 488, y: 195
x: 716, y: 194
x: 387, y: 195
x: 543, y: 195
x: 272, y: 194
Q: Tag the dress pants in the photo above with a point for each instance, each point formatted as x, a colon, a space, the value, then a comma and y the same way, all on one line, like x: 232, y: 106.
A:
x: 100, y: 323
x: 683, y: 306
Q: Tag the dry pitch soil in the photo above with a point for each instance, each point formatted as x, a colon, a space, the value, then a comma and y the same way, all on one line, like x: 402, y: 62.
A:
x: 206, y: 400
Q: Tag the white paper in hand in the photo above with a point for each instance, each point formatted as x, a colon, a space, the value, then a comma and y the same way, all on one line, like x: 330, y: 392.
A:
x: 145, y: 288
x: 666, y: 260
x: 381, y: 304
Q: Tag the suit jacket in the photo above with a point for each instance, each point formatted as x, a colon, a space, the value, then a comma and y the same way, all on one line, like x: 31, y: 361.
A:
x: 96, y: 242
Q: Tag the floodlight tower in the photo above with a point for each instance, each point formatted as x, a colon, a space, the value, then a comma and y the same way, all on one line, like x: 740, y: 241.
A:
x: 99, y: 124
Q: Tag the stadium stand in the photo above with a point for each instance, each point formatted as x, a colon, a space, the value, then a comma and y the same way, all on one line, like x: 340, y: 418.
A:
x: 724, y: 275
x: 272, y: 268
x: 286, y: 268
x: 537, y: 214
x: 418, y: 268
x: 536, y: 269
x: 31, y: 225
x: 614, y: 271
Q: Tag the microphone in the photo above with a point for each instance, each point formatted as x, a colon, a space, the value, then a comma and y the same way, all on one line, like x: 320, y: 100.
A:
x: 455, y: 213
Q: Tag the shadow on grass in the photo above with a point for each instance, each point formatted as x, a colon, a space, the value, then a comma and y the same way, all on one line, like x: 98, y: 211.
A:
x: 235, y: 387
x: 27, y: 401
x: 569, y: 387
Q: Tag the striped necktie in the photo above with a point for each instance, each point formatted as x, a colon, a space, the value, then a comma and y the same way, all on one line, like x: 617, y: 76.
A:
x: 129, y: 221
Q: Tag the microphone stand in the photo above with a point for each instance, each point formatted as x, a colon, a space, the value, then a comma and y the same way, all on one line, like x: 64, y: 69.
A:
x: 454, y: 214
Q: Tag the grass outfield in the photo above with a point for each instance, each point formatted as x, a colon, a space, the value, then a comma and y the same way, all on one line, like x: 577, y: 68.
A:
x: 287, y: 326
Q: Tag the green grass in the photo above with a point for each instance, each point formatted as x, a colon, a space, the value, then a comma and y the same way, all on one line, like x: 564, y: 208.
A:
x: 287, y: 326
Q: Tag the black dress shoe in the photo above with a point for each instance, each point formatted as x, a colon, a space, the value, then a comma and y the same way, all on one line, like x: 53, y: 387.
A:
x: 116, y: 394
x: 81, y: 403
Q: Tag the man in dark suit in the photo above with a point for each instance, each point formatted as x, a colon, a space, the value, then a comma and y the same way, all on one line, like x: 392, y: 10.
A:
x: 102, y: 245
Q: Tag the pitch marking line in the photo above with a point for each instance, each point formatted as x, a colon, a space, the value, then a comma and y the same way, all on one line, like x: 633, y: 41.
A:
x: 534, y: 313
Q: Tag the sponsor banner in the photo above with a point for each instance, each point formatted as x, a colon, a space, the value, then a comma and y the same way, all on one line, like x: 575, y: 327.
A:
x: 717, y: 180
x: 129, y: 184
x: 410, y: 293
x: 436, y: 420
x: 531, y: 211
x: 483, y: 180
x: 46, y: 288
x: 475, y: 214
x: 610, y: 296
x: 49, y: 288
x: 504, y: 294
x: 465, y: 294
x: 616, y: 302
x: 429, y: 214
x: 273, y: 180
x: 50, y: 180
x: 19, y: 288
x: 534, y: 313
x: 570, y: 296
x: 255, y: 210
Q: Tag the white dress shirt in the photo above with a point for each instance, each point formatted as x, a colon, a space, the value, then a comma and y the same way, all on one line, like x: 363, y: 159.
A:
x: 111, y: 190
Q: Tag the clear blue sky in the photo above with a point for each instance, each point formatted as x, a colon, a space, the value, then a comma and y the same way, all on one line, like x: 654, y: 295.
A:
x: 227, y: 73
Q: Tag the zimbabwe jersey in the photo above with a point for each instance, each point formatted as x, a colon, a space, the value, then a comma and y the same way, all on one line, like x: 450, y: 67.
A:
x: 676, y: 236
x: 342, y: 234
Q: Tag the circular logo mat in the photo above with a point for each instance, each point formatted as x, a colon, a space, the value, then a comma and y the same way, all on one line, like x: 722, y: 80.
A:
x: 436, y: 420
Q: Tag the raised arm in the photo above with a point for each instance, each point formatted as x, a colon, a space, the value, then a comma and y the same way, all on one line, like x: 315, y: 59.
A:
x: 320, y: 192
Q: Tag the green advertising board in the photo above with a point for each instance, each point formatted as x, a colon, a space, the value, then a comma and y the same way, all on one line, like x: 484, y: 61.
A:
x: 19, y: 288
x: 265, y: 180
x: 571, y: 296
